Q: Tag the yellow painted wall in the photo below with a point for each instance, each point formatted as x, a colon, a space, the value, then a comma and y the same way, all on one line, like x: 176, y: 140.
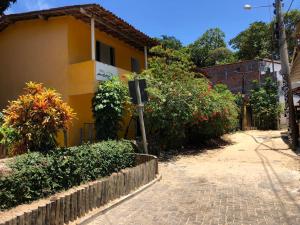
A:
x: 80, y: 45
x: 33, y: 50
x: 79, y: 54
x: 81, y: 78
x: 82, y: 104
x: 57, y: 52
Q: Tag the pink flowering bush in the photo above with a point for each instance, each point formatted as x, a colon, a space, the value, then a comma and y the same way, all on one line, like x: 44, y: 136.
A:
x: 183, y: 107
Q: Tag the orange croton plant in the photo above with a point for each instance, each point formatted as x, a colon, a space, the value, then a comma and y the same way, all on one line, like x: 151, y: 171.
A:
x: 37, y: 116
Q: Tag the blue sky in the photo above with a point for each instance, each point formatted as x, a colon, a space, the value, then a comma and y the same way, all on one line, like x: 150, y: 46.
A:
x: 184, y: 19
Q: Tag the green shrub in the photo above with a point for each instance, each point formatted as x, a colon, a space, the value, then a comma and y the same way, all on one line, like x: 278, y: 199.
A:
x: 36, y: 116
x: 1, y: 118
x: 109, y: 104
x: 36, y: 175
x: 264, y: 101
x: 222, y: 116
x: 183, y: 107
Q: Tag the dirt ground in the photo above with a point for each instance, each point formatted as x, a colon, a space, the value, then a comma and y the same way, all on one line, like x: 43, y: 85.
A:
x: 254, y: 180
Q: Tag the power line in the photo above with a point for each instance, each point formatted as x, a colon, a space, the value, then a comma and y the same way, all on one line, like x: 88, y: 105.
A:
x: 290, y: 6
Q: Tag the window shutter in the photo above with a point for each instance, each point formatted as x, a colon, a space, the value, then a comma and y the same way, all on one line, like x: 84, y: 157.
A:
x: 98, y: 51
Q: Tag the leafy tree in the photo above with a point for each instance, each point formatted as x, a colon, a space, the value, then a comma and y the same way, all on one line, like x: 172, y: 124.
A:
x: 179, y: 103
x: 36, y: 116
x: 210, y: 48
x: 5, y: 4
x: 109, y: 105
x: 264, y: 104
x: 291, y: 19
x: 170, y: 42
x: 220, y: 56
x: 254, y: 42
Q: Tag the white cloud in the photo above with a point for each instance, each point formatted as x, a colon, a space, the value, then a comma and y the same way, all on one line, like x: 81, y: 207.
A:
x: 9, y: 11
x: 31, y: 5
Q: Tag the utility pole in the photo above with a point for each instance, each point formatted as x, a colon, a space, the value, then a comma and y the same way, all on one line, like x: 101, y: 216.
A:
x: 285, y: 72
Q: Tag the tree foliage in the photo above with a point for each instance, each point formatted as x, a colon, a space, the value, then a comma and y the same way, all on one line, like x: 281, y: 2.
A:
x: 5, y: 4
x: 258, y: 41
x: 210, y: 49
x: 291, y: 19
x: 265, y: 105
x: 109, y: 105
x: 35, y: 118
x: 254, y: 42
x: 220, y: 56
x: 180, y: 102
x: 170, y: 42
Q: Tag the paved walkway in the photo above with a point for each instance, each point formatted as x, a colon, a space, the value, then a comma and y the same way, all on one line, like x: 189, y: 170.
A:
x: 255, y: 180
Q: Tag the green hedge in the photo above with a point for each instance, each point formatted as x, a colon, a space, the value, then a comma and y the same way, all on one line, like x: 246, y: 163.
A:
x: 36, y: 175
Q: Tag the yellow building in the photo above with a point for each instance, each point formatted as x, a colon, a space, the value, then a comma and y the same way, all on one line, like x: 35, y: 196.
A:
x: 70, y: 49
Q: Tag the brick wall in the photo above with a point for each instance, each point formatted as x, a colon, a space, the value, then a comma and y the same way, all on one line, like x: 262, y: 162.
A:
x: 232, y: 74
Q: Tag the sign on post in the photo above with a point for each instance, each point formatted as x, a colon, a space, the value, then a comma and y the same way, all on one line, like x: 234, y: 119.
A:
x: 132, y: 91
x: 137, y: 90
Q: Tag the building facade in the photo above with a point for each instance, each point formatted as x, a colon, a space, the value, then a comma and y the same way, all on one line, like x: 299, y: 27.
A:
x: 238, y: 77
x: 70, y: 49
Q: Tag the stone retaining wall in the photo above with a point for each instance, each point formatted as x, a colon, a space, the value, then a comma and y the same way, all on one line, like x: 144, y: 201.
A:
x: 80, y: 200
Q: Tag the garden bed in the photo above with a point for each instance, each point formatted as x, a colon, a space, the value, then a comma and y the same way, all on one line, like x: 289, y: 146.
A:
x: 74, y: 203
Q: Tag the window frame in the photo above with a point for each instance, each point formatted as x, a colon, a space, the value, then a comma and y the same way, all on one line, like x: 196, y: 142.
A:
x: 112, y: 53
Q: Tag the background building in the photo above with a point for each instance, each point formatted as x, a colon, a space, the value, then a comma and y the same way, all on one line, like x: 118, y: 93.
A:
x: 239, y: 77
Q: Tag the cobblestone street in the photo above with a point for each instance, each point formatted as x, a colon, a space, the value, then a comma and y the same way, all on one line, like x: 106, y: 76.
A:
x: 254, y: 180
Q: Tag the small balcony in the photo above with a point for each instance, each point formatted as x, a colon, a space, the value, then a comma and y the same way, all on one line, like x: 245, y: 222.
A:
x: 84, y: 76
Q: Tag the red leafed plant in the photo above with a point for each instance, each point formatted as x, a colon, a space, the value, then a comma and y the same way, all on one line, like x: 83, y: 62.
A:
x: 37, y: 116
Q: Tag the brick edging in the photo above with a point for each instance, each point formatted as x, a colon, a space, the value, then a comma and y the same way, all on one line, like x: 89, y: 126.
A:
x: 83, y: 199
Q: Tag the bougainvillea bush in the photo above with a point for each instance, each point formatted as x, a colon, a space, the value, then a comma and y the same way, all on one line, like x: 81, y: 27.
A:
x: 33, y: 120
x: 183, y: 106
x: 221, y: 116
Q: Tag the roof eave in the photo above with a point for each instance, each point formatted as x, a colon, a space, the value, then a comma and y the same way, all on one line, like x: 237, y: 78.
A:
x: 112, y: 25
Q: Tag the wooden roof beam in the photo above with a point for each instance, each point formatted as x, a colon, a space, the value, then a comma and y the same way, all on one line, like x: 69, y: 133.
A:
x: 42, y: 17
x: 84, y: 12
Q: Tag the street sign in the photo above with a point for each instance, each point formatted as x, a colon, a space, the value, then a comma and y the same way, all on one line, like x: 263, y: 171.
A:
x: 132, y: 91
x: 137, y: 90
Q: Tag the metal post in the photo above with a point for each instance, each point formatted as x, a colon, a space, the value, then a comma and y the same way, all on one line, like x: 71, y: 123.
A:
x: 285, y: 71
x: 243, y: 103
x: 146, y: 57
x: 140, y: 107
x: 93, y: 51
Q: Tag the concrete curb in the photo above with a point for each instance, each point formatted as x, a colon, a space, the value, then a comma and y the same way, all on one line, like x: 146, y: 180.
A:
x: 97, y: 212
